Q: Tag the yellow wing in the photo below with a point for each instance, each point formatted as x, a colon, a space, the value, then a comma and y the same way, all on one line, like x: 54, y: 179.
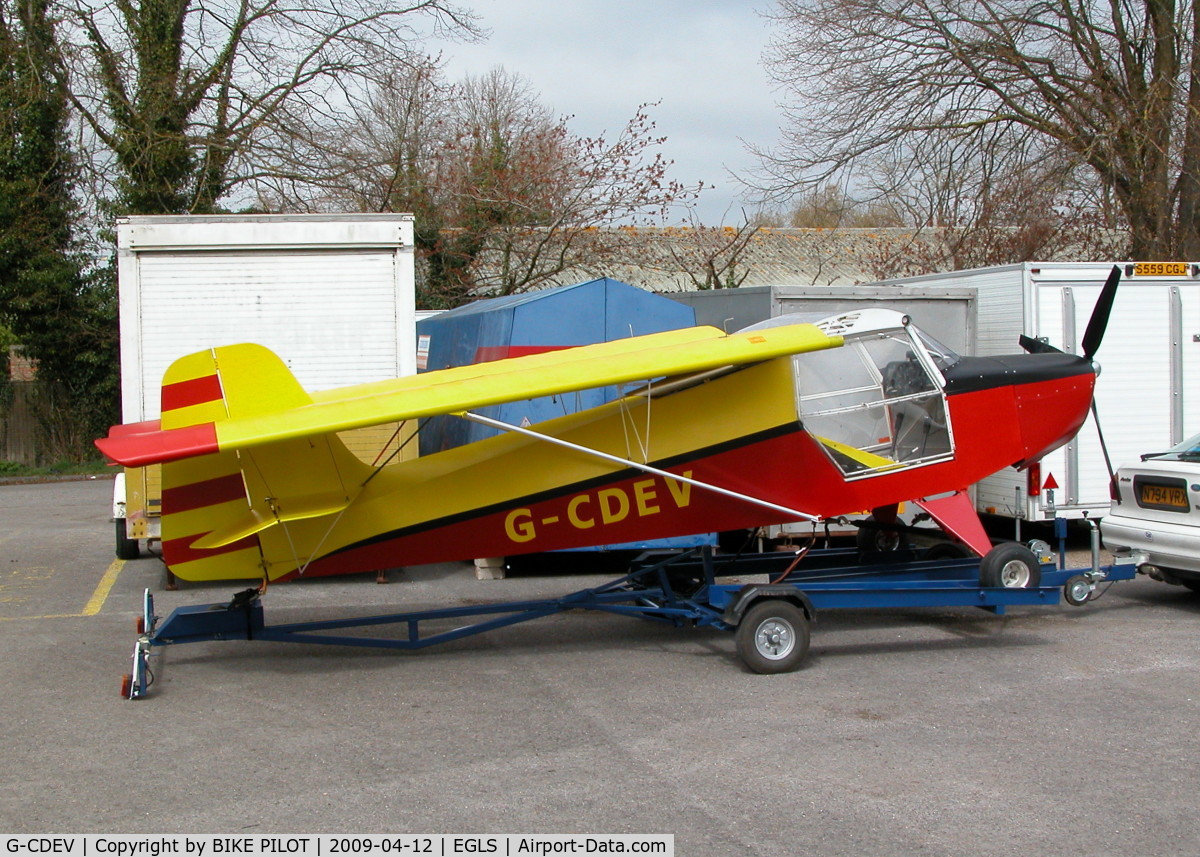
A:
x: 265, y: 405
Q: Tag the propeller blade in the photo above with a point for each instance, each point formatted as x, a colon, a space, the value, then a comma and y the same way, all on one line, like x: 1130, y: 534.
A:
x: 1037, y: 346
x: 1099, y: 320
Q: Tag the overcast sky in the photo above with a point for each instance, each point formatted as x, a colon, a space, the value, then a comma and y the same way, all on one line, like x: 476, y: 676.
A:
x: 599, y: 59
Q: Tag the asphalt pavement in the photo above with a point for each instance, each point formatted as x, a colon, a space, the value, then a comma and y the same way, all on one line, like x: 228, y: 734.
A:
x: 1048, y: 730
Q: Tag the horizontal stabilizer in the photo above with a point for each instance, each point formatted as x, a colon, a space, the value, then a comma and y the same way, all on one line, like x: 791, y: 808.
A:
x: 257, y: 520
x: 156, y: 445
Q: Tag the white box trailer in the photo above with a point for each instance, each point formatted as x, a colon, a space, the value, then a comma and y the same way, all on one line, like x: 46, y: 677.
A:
x: 1150, y: 356
x: 332, y: 295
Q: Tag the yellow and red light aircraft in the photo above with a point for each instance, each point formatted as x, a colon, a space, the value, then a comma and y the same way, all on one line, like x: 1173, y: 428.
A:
x: 786, y: 421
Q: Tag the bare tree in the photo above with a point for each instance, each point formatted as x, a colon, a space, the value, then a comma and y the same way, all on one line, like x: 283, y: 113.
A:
x: 185, y: 93
x: 830, y: 207
x: 505, y: 195
x: 1001, y: 89
x: 64, y: 319
x: 712, y: 257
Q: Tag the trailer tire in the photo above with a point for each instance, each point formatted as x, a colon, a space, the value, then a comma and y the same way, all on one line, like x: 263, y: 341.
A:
x: 947, y: 550
x: 1010, y: 566
x: 127, y: 548
x: 773, y: 637
x: 873, y: 537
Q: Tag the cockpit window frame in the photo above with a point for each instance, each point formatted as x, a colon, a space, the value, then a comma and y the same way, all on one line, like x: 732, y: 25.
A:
x: 867, y: 460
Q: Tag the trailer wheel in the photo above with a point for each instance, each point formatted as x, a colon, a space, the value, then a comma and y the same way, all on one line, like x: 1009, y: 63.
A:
x: 947, y: 550
x: 873, y: 537
x: 773, y: 637
x: 1077, y: 590
x: 127, y: 548
x: 1010, y: 566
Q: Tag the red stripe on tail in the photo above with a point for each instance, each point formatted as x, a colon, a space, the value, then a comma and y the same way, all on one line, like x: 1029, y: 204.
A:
x: 211, y: 492
x: 184, y: 394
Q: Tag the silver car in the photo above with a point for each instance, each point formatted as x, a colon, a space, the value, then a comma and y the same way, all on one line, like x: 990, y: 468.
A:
x: 1155, y: 514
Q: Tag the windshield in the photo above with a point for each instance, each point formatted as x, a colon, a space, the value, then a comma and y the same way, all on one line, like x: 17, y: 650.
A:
x: 943, y: 356
x: 873, y: 405
x: 1189, y: 450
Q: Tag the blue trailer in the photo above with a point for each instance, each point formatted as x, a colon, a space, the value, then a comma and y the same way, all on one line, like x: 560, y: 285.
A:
x: 770, y: 620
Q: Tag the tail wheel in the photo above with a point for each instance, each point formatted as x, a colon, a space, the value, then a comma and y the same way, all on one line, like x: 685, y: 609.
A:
x: 773, y: 637
x: 1010, y: 566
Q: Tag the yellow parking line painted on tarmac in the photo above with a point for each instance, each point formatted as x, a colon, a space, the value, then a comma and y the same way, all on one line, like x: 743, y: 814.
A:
x: 103, y: 588
x: 95, y: 603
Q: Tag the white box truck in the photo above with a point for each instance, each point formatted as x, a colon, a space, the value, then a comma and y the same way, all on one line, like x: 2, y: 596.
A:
x: 332, y: 295
x: 1150, y: 359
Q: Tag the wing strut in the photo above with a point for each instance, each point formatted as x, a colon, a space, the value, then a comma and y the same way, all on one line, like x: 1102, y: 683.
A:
x: 503, y: 426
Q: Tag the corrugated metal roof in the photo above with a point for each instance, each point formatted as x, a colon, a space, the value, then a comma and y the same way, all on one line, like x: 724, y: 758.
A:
x: 665, y: 259
x: 678, y: 258
x: 774, y: 256
x: 489, y: 305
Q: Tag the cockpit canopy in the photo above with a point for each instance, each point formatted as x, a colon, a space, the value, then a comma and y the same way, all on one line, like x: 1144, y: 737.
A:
x: 877, y: 404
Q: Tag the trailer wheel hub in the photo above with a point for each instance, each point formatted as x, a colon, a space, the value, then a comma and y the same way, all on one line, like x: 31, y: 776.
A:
x: 1015, y: 575
x: 775, y: 639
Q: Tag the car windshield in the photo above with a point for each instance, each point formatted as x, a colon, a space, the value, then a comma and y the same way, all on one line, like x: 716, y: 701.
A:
x: 1189, y: 450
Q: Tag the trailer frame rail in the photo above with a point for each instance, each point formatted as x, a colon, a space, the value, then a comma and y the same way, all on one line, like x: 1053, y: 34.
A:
x: 683, y: 589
